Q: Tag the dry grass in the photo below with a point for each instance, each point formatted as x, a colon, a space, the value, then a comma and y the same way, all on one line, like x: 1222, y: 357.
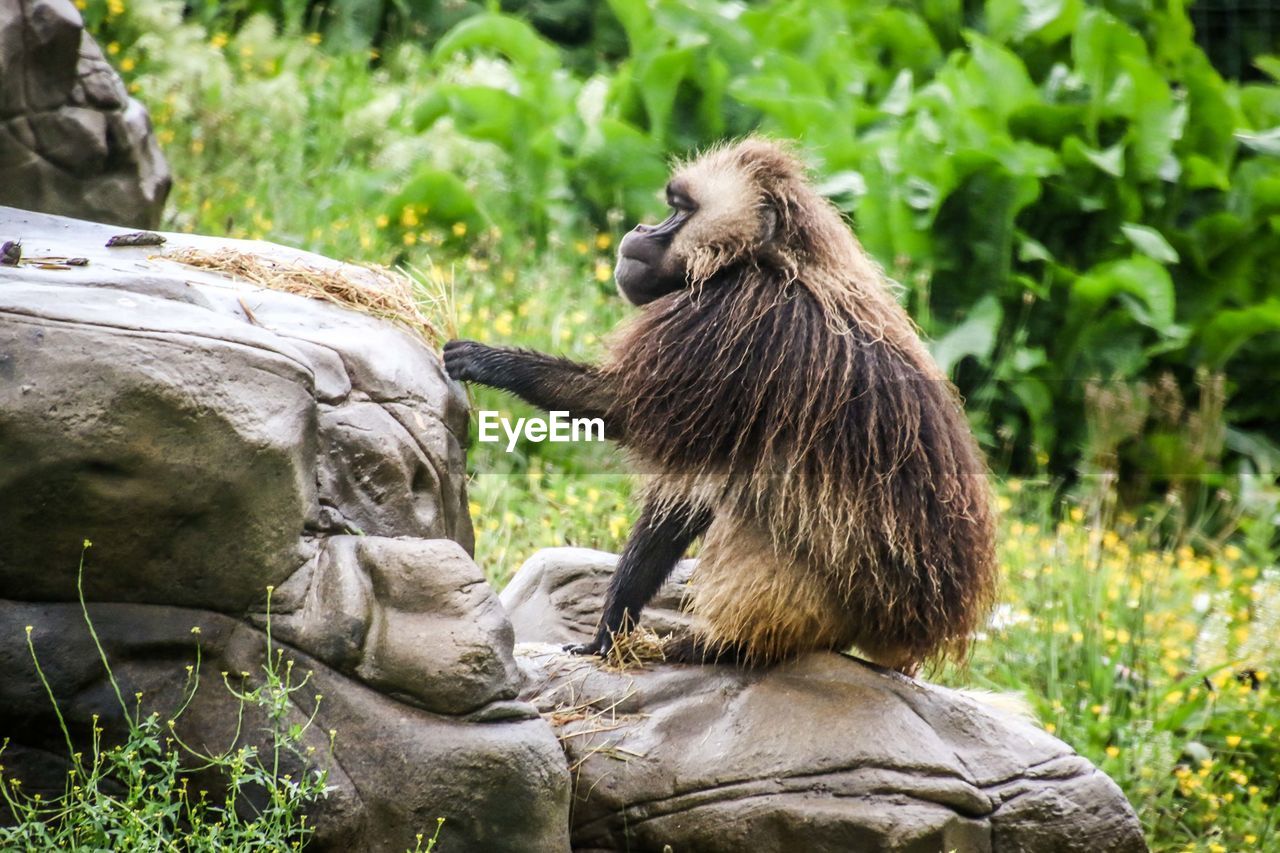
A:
x: 373, y: 290
x: 635, y: 648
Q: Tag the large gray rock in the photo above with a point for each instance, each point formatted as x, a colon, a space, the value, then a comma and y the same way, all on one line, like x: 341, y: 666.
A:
x: 72, y: 141
x: 143, y: 408
x: 214, y: 438
x: 496, y: 775
x: 825, y: 753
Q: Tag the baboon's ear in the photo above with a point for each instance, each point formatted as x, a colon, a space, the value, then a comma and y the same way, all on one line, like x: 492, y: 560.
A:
x: 768, y: 222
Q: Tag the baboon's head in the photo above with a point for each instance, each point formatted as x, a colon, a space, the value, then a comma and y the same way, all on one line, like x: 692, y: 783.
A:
x: 749, y: 201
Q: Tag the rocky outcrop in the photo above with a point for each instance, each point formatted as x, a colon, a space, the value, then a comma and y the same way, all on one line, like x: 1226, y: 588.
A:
x: 212, y: 439
x: 72, y: 141
x: 825, y: 753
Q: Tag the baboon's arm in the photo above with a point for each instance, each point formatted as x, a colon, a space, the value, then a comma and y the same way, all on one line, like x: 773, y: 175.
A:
x: 541, y: 380
x: 657, y: 543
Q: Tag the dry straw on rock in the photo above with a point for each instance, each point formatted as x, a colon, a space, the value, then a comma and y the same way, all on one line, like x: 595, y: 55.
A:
x: 373, y: 290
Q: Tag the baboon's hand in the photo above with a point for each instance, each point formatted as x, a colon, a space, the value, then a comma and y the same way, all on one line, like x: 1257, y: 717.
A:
x: 465, y: 361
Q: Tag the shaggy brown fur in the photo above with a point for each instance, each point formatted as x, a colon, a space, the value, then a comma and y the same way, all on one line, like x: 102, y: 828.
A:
x: 787, y: 391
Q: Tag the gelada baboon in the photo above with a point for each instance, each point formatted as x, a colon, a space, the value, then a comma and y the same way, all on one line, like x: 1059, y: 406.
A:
x: 790, y: 416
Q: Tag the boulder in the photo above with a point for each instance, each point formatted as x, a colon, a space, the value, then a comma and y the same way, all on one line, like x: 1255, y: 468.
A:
x: 823, y: 753
x: 494, y: 773
x: 213, y: 439
x: 72, y: 141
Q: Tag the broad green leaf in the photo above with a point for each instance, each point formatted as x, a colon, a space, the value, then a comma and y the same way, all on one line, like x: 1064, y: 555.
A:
x: 1037, y: 400
x: 1255, y: 189
x: 905, y: 37
x: 660, y: 76
x: 1150, y: 242
x: 898, y: 99
x: 1138, y: 277
x: 1201, y: 173
x: 444, y: 196
x: 509, y: 36
x: 1260, y: 104
x: 1108, y: 160
x: 782, y: 98
x: 432, y: 108
x: 636, y: 19
x: 1264, y: 142
x: 1212, y: 115
x: 974, y: 336
x: 1046, y: 123
x: 491, y: 114
x: 1030, y: 249
x: 1051, y: 20
x: 920, y: 194
x: 1231, y: 329
x: 1016, y: 20
x: 1269, y: 64
x: 622, y: 167
x: 1100, y: 46
x: 996, y: 77
x: 713, y: 80
x: 1157, y: 121
x: 1026, y: 359
x: 843, y: 189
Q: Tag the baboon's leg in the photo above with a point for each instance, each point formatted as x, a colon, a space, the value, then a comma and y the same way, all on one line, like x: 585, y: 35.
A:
x: 751, y: 602
x: 658, y: 541
x: 691, y: 648
x: 540, y: 380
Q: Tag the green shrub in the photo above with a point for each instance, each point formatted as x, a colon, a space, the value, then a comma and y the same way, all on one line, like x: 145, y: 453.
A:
x: 134, y: 795
x: 1068, y: 196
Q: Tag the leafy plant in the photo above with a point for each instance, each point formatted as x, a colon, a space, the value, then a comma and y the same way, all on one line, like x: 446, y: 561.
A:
x: 1067, y: 195
x: 136, y: 794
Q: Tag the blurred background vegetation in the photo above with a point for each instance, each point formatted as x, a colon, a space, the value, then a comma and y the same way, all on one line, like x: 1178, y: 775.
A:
x: 1079, y: 199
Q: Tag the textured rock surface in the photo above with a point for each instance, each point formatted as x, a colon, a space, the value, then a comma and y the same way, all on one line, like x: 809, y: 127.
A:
x: 497, y: 775
x: 213, y: 438
x: 141, y: 408
x: 825, y: 753
x: 72, y: 141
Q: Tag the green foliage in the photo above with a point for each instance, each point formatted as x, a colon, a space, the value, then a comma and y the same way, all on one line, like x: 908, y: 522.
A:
x: 1154, y: 661
x: 1066, y: 194
x: 135, y: 795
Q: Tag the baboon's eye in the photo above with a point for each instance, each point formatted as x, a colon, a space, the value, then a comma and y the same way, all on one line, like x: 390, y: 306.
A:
x: 677, y: 200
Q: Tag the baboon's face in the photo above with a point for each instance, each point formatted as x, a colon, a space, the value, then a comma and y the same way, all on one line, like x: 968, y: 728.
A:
x: 648, y: 266
x: 719, y: 214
